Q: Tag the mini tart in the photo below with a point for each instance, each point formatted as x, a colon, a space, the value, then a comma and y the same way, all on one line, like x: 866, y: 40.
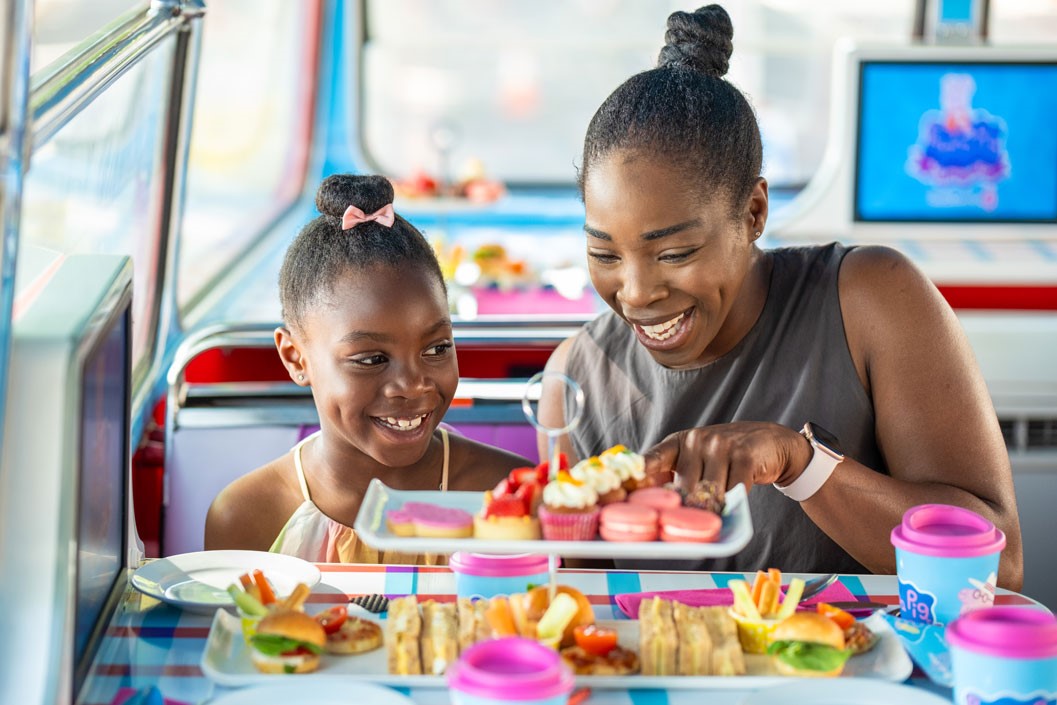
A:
x: 524, y: 528
x: 629, y: 465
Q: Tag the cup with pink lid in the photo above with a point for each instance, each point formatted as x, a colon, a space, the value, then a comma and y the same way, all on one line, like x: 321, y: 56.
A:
x: 1004, y: 656
x: 946, y: 562
x: 516, y: 670
x: 480, y: 575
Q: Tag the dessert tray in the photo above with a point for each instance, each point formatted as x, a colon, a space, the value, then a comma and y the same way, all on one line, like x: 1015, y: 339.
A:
x: 371, y: 528
x: 226, y: 661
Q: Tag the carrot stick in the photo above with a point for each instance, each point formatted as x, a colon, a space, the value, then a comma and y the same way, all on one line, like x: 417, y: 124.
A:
x: 757, y: 586
x: 267, y: 595
x: 246, y: 581
x: 579, y: 696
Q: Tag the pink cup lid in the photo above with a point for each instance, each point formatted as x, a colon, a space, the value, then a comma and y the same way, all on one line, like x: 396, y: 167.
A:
x: 490, y: 566
x: 511, y: 669
x: 947, y: 531
x: 1010, y: 632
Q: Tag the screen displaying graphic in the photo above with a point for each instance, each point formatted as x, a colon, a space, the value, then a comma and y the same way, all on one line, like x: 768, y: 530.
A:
x: 957, y: 142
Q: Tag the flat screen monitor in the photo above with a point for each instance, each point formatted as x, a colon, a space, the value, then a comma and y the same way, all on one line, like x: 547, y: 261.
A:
x: 103, y: 461
x: 956, y: 142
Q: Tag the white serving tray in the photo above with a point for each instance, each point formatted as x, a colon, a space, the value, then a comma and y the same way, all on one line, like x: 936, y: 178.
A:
x: 371, y: 529
x: 226, y: 661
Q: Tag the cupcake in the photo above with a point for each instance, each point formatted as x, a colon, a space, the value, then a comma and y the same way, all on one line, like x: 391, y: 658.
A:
x: 569, y: 511
x: 629, y: 466
x: 604, y: 480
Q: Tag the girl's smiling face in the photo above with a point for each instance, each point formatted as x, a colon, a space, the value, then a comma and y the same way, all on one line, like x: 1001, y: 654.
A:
x: 670, y: 266
x: 377, y: 349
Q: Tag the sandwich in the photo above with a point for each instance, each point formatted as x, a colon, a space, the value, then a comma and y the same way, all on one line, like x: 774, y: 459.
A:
x: 402, y: 629
x: 808, y: 644
x: 728, y: 658
x: 287, y: 641
x: 657, y: 639
x: 467, y: 617
x: 695, y: 641
x: 440, y: 646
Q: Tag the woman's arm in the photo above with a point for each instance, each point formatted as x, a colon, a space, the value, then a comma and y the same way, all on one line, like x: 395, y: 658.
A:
x: 935, y: 424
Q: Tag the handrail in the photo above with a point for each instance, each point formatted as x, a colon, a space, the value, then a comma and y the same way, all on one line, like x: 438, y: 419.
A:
x: 64, y: 88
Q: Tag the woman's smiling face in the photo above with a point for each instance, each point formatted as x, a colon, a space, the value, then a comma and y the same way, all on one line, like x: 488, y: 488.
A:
x: 669, y: 265
x: 379, y: 354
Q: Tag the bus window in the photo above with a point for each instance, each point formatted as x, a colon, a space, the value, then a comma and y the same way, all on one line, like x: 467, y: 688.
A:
x: 60, y: 25
x: 93, y: 187
x: 514, y: 84
x: 251, y: 131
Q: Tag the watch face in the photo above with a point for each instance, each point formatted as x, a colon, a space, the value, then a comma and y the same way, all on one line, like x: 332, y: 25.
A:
x: 825, y: 438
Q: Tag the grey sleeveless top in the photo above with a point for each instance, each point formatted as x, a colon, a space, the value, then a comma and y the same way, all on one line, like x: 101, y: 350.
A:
x: 792, y: 366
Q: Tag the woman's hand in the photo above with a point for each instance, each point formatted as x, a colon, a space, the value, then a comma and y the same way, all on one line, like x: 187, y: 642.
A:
x: 749, y: 452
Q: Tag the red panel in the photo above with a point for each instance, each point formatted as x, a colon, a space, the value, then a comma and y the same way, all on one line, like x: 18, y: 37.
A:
x: 1001, y: 298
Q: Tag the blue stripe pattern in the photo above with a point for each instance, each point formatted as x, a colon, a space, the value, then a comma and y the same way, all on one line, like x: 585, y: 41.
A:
x: 618, y: 584
x: 401, y: 580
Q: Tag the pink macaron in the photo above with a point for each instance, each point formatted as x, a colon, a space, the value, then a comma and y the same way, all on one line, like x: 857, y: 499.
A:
x: 656, y: 497
x: 623, y: 521
x: 688, y: 525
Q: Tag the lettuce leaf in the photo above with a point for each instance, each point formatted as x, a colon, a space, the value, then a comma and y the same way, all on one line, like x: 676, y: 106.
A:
x: 275, y: 645
x: 806, y: 656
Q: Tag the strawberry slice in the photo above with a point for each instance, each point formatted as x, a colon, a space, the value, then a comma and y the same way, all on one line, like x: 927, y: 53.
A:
x: 522, y: 476
x: 527, y: 493
x: 507, y: 506
x: 504, y: 489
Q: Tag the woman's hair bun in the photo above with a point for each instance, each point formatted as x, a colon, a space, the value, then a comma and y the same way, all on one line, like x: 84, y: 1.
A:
x: 701, y: 40
x: 366, y: 192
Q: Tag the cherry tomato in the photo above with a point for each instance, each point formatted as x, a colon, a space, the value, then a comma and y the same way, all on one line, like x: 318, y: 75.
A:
x: 594, y: 639
x: 333, y: 618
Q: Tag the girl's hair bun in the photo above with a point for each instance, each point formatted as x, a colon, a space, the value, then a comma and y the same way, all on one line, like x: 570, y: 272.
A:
x: 701, y: 41
x: 366, y: 192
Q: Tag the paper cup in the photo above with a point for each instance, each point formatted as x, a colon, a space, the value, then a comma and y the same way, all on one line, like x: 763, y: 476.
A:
x: 1004, y: 655
x: 754, y: 634
x: 946, y: 562
x: 480, y: 575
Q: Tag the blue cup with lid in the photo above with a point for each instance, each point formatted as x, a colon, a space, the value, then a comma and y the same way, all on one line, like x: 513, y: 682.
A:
x: 1004, y: 656
x: 946, y: 562
x: 480, y: 575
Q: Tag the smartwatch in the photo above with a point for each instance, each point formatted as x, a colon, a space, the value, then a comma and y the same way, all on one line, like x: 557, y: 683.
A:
x: 826, y: 455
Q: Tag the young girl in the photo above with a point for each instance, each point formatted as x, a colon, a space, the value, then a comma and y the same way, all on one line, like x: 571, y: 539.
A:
x: 367, y: 328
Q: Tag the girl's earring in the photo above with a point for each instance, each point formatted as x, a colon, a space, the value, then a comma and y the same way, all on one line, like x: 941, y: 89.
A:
x: 757, y: 236
x: 300, y: 378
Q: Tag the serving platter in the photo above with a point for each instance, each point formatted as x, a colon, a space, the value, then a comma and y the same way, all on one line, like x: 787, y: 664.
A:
x: 379, y: 499
x: 226, y: 661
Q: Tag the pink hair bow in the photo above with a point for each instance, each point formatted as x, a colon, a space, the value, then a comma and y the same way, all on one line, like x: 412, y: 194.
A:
x: 353, y: 216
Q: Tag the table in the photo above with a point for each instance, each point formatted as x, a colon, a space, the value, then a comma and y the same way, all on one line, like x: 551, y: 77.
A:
x: 149, y: 642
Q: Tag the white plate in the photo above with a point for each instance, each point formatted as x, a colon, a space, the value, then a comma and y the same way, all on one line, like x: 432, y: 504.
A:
x: 841, y: 691
x: 226, y: 661
x: 317, y: 693
x: 198, y: 581
x: 371, y: 529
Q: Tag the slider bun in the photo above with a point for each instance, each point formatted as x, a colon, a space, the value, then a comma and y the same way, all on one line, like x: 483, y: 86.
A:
x: 810, y: 627
x: 293, y: 625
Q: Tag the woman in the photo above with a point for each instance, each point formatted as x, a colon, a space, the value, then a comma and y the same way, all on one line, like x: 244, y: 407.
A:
x: 717, y: 353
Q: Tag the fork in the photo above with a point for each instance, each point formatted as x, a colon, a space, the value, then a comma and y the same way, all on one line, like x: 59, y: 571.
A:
x: 375, y: 604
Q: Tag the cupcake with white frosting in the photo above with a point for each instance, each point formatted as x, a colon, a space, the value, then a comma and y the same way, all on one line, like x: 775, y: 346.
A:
x: 569, y: 511
x: 600, y: 477
x: 628, y: 465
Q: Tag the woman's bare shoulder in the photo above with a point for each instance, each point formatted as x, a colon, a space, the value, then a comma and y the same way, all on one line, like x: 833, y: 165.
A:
x: 250, y: 512
x: 478, y: 466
